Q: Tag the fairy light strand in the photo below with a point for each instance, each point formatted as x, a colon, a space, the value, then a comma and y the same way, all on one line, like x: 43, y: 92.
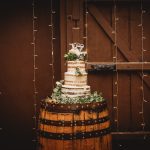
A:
x: 86, y: 28
x: 34, y: 70
x: 115, y: 95
x: 52, y: 42
x: 51, y: 25
x: 142, y: 71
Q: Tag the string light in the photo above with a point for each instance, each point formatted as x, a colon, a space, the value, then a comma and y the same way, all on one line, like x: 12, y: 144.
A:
x: 143, y: 124
x: 51, y: 64
x: 86, y: 28
x: 34, y: 30
x: 52, y: 12
x: 115, y: 57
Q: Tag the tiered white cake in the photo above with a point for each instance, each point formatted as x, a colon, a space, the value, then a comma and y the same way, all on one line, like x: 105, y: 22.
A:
x: 75, y: 79
x: 74, y: 88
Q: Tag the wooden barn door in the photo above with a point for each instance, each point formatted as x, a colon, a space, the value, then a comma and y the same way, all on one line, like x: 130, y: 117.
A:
x: 127, y: 117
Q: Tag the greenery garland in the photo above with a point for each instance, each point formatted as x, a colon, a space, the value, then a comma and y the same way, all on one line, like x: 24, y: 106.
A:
x: 57, y: 96
x: 70, y: 57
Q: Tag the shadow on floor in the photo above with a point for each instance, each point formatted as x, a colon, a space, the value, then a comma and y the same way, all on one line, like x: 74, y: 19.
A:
x: 131, y: 145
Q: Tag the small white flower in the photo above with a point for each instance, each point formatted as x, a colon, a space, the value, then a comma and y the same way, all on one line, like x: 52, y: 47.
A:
x: 75, y: 51
x: 84, y: 53
x: 58, y: 83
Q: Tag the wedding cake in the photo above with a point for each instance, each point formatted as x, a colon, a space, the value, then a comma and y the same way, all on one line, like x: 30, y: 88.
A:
x: 74, y: 117
x: 74, y: 88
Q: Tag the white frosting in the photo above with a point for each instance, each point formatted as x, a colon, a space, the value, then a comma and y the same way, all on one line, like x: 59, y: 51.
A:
x: 72, y: 65
x: 75, y: 95
x: 74, y: 91
x: 76, y: 87
x: 73, y: 79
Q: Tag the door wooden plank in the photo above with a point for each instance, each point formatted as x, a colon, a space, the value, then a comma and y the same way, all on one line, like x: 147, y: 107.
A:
x: 146, y: 23
x: 124, y: 104
x: 147, y: 105
x: 63, y: 32
x: 69, y: 24
x: 109, y: 31
x: 136, y: 98
x: 99, y: 45
x: 81, y: 21
x: 76, y: 10
x: 135, y: 30
x: 76, y: 34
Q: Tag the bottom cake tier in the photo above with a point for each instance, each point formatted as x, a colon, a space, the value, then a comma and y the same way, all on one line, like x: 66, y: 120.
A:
x: 75, y: 91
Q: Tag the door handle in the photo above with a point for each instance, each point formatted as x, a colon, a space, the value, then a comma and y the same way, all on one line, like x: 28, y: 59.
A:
x: 102, y: 67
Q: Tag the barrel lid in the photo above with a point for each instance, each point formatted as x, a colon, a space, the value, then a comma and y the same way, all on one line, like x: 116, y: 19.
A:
x: 58, y: 107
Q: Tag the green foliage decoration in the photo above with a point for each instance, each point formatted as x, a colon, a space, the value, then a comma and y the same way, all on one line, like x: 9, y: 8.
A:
x: 70, y: 57
x: 77, y: 71
x: 58, y: 97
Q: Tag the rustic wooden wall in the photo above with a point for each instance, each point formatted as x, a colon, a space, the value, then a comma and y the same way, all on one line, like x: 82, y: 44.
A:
x: 16, y: 60
x: 100, y: 41
x: 16, y: 68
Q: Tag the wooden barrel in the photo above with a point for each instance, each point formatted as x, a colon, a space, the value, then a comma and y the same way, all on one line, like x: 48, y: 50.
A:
x: 74, y: 126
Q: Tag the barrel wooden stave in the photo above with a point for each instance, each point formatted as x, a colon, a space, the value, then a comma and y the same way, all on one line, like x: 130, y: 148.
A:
x: 83, y: 116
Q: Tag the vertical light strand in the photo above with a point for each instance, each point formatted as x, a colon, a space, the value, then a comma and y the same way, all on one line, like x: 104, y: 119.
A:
x: 86, y: 28
x: 142, y: 71
x: 0, y: 126
x: 115, y: 57
x: 34, y: 70
x: 52, y: 12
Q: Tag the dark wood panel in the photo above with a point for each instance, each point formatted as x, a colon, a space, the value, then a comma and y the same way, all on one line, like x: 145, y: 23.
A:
x: 99, y: 45
x: 136, y: 99
x: 16, y: 66
x: 146, y: 24
x: 63, y: 33
x: 96, y: 81
x: 109, y: 32
x: 124, y: 102
x: 76, y: 9
x: 69, y: 24
x: 135, y: 30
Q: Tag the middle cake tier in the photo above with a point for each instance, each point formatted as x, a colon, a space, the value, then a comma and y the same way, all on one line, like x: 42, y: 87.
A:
x: 75, y: 91
x: 71, y: 79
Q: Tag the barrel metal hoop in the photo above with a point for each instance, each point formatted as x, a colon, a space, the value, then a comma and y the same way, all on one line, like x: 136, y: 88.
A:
x: 74, y: 108
x: 79, y: 135
x: 75, y: 122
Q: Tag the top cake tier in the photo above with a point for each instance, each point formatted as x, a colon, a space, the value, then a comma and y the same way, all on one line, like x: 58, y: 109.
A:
x: 72, y: 65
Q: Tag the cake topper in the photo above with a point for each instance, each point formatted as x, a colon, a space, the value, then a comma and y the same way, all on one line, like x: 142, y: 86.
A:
x: 77, y: 46
x: 76, y: 52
